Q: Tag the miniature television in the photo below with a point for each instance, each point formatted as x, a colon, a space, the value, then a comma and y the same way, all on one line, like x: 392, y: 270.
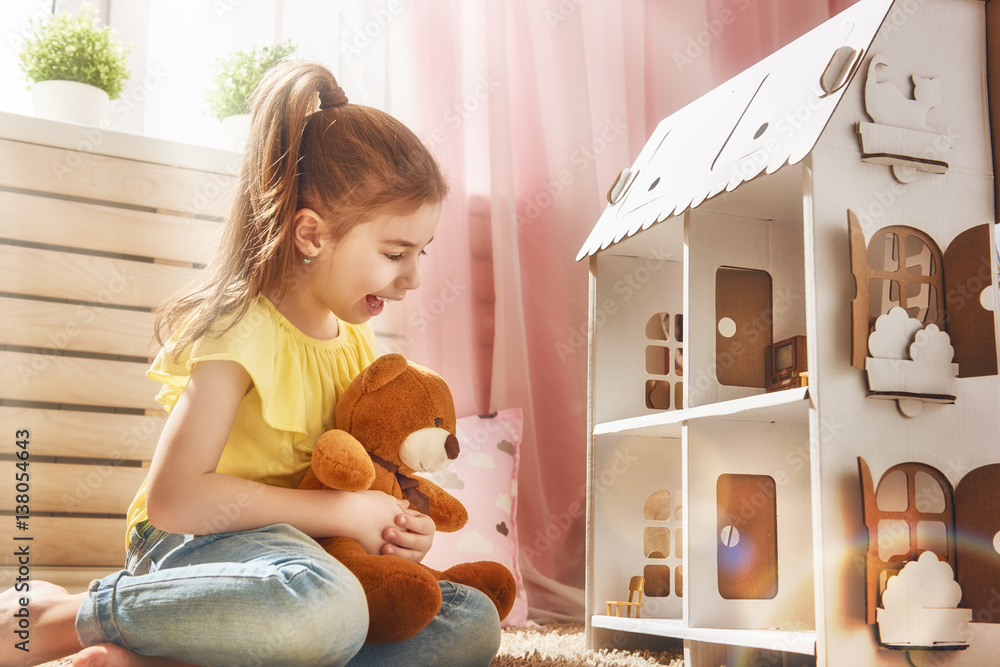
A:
x: 786, y: 362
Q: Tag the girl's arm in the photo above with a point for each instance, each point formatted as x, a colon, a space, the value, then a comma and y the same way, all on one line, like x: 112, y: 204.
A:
x: 184, y: 494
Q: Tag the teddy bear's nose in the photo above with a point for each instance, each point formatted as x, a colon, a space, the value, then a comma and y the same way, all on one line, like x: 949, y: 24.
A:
x: 451, y: 446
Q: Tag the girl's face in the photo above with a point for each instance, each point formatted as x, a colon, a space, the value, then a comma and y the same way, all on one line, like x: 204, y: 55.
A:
x: 375, y: 262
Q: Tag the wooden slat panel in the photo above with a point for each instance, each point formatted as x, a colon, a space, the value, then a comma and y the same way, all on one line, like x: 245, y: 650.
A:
x: 75, y: 541
x: 75, y: 327
x: 55, y: 379
x: 39, y: 219
x: 101, y: 280
x: 92, y: 435
x: 73, y: 579
x: 103, y: 178
x: 77, y: 488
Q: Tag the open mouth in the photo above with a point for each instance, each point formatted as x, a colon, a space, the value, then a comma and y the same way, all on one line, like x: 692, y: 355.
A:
x: 375, y: 304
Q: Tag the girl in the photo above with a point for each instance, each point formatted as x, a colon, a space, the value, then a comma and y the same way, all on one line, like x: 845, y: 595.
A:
x: 334, y: 209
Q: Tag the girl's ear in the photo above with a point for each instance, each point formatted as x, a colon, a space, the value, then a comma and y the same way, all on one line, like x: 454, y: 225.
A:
x: 307, y: 230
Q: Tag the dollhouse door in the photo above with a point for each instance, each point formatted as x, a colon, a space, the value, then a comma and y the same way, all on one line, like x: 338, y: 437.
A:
x: 743, y: 326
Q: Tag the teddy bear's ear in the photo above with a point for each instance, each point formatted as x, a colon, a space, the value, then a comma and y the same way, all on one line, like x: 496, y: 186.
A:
x: 382, y: 371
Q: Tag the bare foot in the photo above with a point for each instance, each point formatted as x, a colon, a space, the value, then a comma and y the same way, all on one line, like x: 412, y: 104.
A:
x: 41, y: 620
x: 112, y: 655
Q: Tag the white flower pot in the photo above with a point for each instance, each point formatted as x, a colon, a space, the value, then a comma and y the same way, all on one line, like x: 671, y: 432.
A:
x: 234, y: 131
x: 69, y: 101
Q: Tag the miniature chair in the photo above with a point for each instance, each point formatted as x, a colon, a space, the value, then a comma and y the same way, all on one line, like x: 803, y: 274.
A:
x: 634, y: 590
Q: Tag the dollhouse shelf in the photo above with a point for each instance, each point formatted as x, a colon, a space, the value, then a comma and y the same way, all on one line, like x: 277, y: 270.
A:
x: 803, y: 642
x: 790, y: 405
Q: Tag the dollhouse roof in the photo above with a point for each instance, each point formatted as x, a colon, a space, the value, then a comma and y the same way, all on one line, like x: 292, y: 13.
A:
x: 770, y: 115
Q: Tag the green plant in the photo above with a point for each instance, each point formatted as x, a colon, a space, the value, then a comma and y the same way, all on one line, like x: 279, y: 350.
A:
x: 234, y: 77
x: 75, y: 48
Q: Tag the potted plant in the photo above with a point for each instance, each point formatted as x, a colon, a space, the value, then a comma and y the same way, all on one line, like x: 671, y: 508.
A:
x: 74, y: 65
x: 234, y: 78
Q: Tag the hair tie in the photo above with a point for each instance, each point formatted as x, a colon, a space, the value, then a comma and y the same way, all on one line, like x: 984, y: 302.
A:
x: 329, y: 99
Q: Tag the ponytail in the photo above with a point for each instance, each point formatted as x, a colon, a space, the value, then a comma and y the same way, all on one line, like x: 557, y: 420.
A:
x: 307, y: 148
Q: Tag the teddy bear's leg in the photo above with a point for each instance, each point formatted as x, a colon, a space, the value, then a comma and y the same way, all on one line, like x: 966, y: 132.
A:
x: 491, y: 578
x: 403, y: 596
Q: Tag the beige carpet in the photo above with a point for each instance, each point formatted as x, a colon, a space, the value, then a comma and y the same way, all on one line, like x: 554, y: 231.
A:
x: 561, y: 645
x: 555, y: 645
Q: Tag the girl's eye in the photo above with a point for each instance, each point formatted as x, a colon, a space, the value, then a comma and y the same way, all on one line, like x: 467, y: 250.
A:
x: 399, y: 256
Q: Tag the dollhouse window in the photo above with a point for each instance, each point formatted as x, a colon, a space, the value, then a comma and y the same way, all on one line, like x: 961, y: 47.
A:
x: 664, y: 362
x: 912, y: 522
x: 909, y: 512
x: 658, y: 541
x: 657, y: 581
x: 902, y: 266
x: 657, y: 507
x: 906, y: 272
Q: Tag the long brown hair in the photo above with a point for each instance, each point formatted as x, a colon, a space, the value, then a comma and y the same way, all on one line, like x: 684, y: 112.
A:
x: 349, y: 163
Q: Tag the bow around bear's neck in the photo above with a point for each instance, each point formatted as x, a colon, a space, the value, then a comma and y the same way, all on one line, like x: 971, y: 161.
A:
x: 407, y: 485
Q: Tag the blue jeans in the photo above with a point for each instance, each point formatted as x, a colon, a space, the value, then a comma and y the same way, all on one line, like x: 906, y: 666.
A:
x: 265, y: 597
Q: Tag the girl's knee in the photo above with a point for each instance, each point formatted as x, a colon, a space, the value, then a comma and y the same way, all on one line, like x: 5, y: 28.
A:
x: 475, y: 620
x: 320, y: 616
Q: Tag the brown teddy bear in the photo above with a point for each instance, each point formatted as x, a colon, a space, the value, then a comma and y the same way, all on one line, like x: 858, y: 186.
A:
x: 394, y: 419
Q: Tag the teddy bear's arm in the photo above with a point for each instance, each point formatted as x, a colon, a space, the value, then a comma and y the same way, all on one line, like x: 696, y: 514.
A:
x: 448, y: 513
x: 339, y: 461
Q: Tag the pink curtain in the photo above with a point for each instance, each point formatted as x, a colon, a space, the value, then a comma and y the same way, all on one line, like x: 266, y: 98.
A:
x: 532, y: 107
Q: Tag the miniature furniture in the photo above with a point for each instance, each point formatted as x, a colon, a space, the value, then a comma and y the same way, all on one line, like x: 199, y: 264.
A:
x: 634, y: 599
x: 838, y: 194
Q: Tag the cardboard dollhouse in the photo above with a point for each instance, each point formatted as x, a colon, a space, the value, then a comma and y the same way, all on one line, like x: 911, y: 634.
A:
x: 795, y: 419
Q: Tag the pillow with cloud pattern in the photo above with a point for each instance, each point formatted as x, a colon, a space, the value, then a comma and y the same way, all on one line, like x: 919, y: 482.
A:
x: 484, y: 479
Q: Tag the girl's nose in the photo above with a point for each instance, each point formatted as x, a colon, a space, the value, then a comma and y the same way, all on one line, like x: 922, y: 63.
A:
x: 410, y: 277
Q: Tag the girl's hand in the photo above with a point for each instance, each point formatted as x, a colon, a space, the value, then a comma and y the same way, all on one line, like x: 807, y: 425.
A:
x: 373, y: 514
x: 411, y: 537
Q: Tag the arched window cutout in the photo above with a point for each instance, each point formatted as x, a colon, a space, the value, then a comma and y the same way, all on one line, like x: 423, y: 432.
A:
x: 899, y: 266
x: 657, y: 507
x: 891, y: 495
x: 929, y: 497
x: 658, y: 327
x: 899, y: 535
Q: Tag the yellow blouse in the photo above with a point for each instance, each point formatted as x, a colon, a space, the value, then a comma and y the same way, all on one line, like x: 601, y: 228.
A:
x: 296, y: 382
